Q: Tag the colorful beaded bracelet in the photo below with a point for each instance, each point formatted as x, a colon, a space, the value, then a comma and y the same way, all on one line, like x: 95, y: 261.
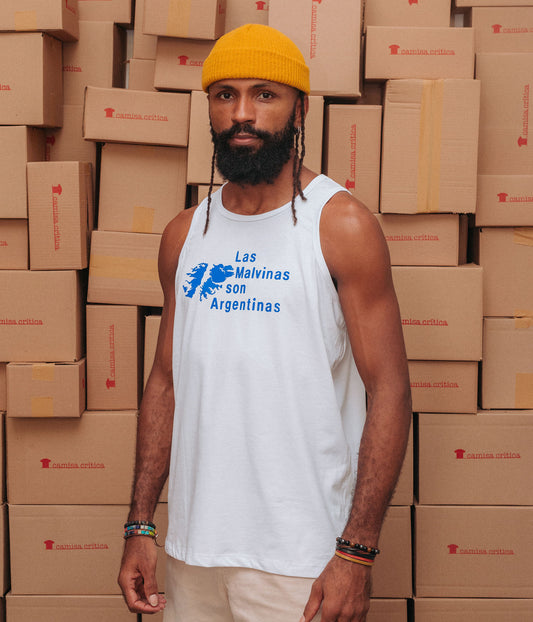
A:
x: 361, y: 547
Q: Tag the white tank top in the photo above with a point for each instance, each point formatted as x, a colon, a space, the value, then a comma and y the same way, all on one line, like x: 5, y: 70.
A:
x: 269, y: 406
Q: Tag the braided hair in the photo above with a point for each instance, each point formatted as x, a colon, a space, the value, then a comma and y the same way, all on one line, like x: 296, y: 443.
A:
x: 299, y: 154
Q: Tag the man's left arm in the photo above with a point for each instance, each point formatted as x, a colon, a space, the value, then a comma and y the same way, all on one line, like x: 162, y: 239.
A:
x: 357, y: 256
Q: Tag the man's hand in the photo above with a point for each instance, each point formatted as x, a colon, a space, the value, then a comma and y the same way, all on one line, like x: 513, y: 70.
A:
x: 343, y: 590
x: 137, y: 576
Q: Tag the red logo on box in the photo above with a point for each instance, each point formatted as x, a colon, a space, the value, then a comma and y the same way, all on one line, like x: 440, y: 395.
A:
x: 57, y: 189
x: 183, y: 59
x: 45, y: 463
x: 411, y: 2
x: 394, y: 49
x: 453, y: 548
x: 5, y: 87
x: 502, y: 197
x: 349, y: 185
x: 110, y: 384
x: 109, y: 112
x: 522, y: 141
x: 460, y: 453
x: 497, y: 28
x: 261, y: 6
x: 49, y: 545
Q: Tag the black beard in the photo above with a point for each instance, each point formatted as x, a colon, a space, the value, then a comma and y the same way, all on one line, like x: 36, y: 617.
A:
x: 249, y: 166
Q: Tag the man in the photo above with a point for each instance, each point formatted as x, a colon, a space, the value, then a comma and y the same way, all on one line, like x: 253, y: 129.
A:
x: 279, y: 312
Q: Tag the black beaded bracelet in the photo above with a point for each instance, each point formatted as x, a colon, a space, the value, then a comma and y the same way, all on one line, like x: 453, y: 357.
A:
x: 358, y: 547
x: 131, y: 523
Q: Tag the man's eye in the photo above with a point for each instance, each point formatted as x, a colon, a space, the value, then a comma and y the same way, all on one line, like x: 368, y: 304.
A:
x: 265, y: 95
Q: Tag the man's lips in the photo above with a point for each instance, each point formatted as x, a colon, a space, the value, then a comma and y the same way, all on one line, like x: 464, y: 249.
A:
x: 243, y: 139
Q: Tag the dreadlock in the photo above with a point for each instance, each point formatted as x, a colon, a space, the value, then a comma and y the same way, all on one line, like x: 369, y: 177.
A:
x: 297, y: 162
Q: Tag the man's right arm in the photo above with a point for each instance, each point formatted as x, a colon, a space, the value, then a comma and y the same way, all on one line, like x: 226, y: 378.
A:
x: 154, y: 436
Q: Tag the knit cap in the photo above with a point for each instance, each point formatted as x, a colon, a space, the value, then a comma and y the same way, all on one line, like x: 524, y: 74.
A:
x: 256, y: 51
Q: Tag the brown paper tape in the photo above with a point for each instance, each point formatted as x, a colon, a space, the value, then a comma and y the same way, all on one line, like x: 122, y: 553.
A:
x: 523, y: 321
x: 43, y: 371
x: 42, y: 406
x: 143, y: 219
x: 179, y: 14
x: 524, y: 391
x: 428, y: 190
x: 137, y: 269
x: 523, y: 236
x: 25, y: 20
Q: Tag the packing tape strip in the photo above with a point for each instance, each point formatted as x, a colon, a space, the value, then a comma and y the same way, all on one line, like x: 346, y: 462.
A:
x: 43, y: 371
x: 25, y: 20
x: 143, y: 219
x: 428, y: 189
x: 42, y: 406
x: 523, y: 236
x: 137, y: 269
x: 523, y: 321
x: 524, y: 391
x: 179, y: 15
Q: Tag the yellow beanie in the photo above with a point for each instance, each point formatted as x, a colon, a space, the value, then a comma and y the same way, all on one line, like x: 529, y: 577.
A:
x: 256, y: 51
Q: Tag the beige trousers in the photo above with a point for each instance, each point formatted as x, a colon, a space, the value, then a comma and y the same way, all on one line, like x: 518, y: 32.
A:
x: 198, y: 594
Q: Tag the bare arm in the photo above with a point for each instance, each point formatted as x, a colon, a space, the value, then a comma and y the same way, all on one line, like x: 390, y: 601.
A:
x: 154, y: 435
x: 358, y: 259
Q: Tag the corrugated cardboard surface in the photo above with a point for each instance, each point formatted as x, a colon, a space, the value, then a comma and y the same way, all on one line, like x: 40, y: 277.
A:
x: 14, y: 251
x: 469, y: 551
x: 239, y: 13
x: 146, y: 117
x: 142, y: 187
x: 18, y: 146
x: 144, y: 46
x: 430, y: 146
x: 46, y: 389
x: 74, y: 549
x: 32, y: 87
x: 56, y: 17
x: 507, y: 366
x: 508, y: 29
x: 178, y: 63
x: 428, y: 53
x: 493, y: 2
x: 114, y: 346
x: 506, y: 254
x: 123, y: 269
x: 444, y: 386
x: 387, y: 610
x: 118, y: 11
x: 67, y: 609
x: 3, y: 387
x: 61, y: 214
x: 175, y: 18
x: 441, y: 311
x: 141, y: 74
x: 328, y: 37
x: 504, y: 141
x: 84, y: 460
x: 42, y: 318
x: 352, y: 150
x: 67, y: 143
x: 425, y: 239
x: 505, y: 201
x: 4, y: 556
x: 473, y: 609
x: 402, y: 13
x: 473, y: 459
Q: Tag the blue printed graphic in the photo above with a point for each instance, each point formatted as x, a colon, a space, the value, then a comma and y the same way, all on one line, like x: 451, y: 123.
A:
x: 217, y: 275
x: 196, y: 275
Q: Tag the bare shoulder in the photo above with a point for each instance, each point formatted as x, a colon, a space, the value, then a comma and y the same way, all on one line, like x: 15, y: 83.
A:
x: 351, y: 238
x: 172, y: 242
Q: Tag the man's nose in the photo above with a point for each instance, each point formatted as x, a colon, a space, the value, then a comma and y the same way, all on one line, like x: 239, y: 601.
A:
x: 243, y: 111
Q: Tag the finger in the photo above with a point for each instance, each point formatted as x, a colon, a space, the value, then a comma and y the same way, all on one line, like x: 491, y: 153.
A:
x: 313, y: 603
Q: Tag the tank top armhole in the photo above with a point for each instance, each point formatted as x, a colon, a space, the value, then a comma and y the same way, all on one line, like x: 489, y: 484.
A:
x: 193, y: 227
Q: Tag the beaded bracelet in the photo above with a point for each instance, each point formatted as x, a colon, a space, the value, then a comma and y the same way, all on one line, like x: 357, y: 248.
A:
x: 361, y: 547
x: 140, y: 528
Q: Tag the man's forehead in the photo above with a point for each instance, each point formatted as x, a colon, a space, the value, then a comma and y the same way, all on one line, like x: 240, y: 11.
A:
x: 249, y: 83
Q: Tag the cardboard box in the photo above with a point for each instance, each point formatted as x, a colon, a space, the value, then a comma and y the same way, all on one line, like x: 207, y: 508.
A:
x: 328, y: 35
x: 97, y: 59
x: 3, y: 441
x: 504, y: 201
x: 203, y: 19
x: 241, y: 12
x: 123, y: 269
x: 387, y: 610
x: 142, y: 188
x: 441, y: 311
x: 179, y: 62
x: 42, y: 318
x: 67, y: 143
x: 469, y: 551
x: 14, y: 252
x: 506, y: 254
x: 124, y: 116
x: 114, y: 347
x: 425, y: 239
x: 201, y: 146
x: 117, y: 11
x: 403, y: 493
x: 31, y: 88
x: 18, y: 146
x: 471, y: 459
x: 151, y: 333
x: 473, y: 609
x: 427, y: 53
x: 144, y: 46
x: 67, y: 608
x: 353, y: 146
x: 74, y: 548
x: 3, y: 387
x: 4, y: 555
x: 46, y: 389
x: 430, y: 145
x: 61, y: 214
x: 444, y: 386
x: 141, y: 74
x: 392, y: 573
x: 58, y: 18
x: 505, y: 112
x: 507, y: 368
x: 84, y: 461
x: 508, y: 29
x: 499, y: 3
x: 402, y: 13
